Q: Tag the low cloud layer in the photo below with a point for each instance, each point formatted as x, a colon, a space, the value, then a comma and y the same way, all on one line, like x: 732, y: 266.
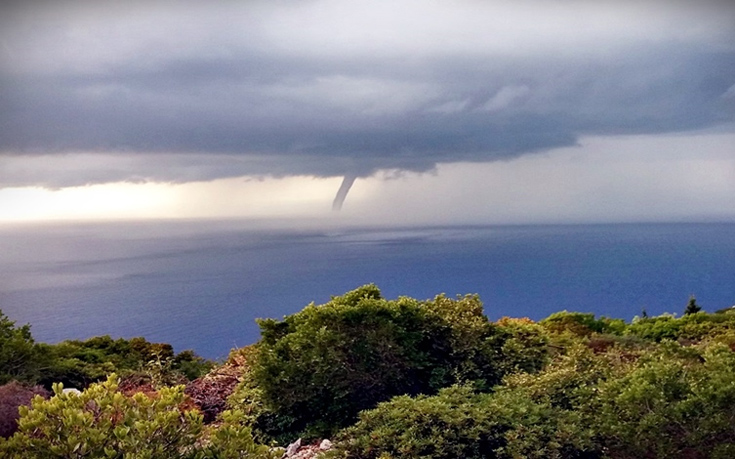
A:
x: 181, y: 91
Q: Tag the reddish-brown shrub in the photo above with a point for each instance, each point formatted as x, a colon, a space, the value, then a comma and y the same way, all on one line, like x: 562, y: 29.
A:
x: 12, y: 396
x: 210, y: 392
x: 135, y: 382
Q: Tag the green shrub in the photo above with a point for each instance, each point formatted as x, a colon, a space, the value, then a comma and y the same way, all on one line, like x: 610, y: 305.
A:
x: 667, y: 401
x: 582, y: 324
x: 524, y: 345
x: 318, y: 368
x: 324, y: 364
x: 655, y: 329
x: 701, y: 326
x: 101, y: 422
x: 676, y: 402
x: 104, y: 423
x: 570, y: 381
x: 232, y: 438
x: 247, y: 398
x: 190, y: 365
x: 453, y: 424
x: 551, y: 411
x: 459, y: 423
x: 470, y: 349
x: 77, y: 363
x: 20, y: 357
x: 691, y: 328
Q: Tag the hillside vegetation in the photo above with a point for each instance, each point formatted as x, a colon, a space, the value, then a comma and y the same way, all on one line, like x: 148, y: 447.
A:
x: 402, y: 378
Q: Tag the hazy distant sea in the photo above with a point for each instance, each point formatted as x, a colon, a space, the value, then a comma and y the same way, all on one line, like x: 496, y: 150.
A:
x: 200, y: 285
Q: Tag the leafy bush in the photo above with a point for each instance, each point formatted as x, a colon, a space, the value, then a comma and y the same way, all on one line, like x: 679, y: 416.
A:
x: 12, y: 396
x: 459, y: 423
x: 20, y: 358
x: 474, y: 350
x: 190, y: 365
x: 247, y: 398
x: 657, y: 328
x: 324, y: 364
x: 705, y: 327
x: 102, y: 422
x: 582, y: 324
x: 318, y: 368
x: 676, y: 402
x: 524, y: 345
x: 453, y: 424
x: 692, y: 328
x: 78, y: 363
x: 232, y: 438
x: 668, y: 401
x: 551, y: 410
x: 570, y: 381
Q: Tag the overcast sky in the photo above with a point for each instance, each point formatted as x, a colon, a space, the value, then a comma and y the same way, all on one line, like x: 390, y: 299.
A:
x: 464, y: 111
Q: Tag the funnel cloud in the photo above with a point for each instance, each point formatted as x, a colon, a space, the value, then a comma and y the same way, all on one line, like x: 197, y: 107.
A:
x: 339, y: 199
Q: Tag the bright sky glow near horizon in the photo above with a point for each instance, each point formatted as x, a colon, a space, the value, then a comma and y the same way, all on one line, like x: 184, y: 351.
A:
x: 640, y: 178
x: 446, y: 112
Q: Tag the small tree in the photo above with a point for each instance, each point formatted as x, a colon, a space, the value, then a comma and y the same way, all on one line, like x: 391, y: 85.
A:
x: 19, y: 354
x: 692, y: 306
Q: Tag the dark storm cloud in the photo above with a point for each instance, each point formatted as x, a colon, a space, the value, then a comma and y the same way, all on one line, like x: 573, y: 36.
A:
x: 271, y: 89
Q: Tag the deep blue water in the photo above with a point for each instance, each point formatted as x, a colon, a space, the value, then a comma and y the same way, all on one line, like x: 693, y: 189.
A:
x: 201, y: 285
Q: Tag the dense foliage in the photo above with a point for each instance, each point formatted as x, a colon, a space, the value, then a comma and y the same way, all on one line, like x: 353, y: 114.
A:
x: 101, y: 422
x: 319, y: 368
x: 385, y: 379
x: 20, y: 356
x: 78, y: 363
x: 669, y: 402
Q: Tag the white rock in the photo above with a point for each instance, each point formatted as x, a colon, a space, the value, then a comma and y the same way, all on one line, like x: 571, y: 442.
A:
x: 325, y: 445
x: 71, y: 391
x: 292, y: 448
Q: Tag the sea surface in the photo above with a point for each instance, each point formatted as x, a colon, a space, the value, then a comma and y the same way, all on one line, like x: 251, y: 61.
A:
x: 201, y: 285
